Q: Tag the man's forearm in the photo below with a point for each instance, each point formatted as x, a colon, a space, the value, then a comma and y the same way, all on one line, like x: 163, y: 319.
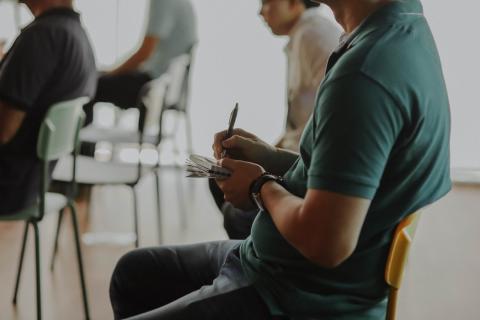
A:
x: 141, y: 55
x: 10, y: 121
x: 133, y: 63
x: 284, y: 208
x: 279, y: 161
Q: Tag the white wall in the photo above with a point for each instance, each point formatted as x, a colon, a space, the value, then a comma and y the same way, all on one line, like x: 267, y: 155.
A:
x: 239, y: 60
x: 455, y: 26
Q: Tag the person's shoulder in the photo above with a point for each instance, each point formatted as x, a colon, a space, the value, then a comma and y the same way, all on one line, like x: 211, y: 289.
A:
x: 166, y: 4
x: 317, y: 25
x: 35, y: 33
x: 401, y: 53
x: 53, y: 25
x: 388, y: 51
x: 320, y: 19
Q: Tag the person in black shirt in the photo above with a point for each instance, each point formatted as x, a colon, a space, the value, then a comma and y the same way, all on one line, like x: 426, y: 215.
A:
x: 50, y: 61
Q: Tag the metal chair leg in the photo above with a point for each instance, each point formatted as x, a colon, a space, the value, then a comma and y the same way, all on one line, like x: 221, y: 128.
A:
x: 135, y: 216
x: 181, y: 198
x: 73, y: 211
x: 37, y: 270
x: 55, y: 244
x: 188, y: 131
x: 20, y: 265
x: 159, y: 206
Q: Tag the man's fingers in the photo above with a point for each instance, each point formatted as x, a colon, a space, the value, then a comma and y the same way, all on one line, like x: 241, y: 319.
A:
x: 239, y: 140
x: 217, y: 151
x: 217, y: 144
x: 244, y: 133
x: 236, y: 142
x: 228, y: 163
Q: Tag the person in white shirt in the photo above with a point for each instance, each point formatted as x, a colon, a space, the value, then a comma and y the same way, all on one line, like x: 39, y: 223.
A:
x: 313, y: 35
x: 312, y: 39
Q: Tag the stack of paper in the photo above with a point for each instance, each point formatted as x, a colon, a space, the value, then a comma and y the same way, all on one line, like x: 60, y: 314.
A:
x: 203, y: 167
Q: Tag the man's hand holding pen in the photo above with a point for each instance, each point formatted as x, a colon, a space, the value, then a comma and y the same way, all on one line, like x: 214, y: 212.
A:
x: 243, y: 145
x: 243, y: 154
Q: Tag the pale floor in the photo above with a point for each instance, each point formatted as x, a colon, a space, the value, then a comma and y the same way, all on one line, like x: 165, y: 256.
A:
x: 442, y: 280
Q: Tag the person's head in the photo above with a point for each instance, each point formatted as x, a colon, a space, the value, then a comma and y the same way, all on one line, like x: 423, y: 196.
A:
x: 37, y: 7
x: 281, y: 15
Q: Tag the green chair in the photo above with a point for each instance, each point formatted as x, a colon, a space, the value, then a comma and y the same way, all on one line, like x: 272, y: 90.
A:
x: 57, y: 136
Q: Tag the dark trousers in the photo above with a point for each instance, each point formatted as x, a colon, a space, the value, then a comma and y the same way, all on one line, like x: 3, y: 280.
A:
x: 201, y: 281
x: 122, y: 90
x: 237, y: 222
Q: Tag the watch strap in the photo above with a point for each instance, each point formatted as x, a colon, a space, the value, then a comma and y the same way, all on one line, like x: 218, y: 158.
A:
x: 257, y: 184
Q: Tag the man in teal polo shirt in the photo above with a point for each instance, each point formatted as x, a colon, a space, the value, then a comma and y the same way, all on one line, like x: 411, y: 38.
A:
x: 375, y: 150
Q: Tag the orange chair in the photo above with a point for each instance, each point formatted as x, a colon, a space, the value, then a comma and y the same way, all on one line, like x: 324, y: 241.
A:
x: 397, y: 260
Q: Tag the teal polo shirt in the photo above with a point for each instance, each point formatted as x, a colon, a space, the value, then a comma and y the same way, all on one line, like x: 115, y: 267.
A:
x: 380, y: 131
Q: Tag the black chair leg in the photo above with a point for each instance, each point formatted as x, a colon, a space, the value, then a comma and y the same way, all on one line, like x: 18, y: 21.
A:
x: 55, y: 245
x: 159, y: 206
x: 37, y: 270
x: 73, y: 211
x: 20, y: 265
x: 135, y: 216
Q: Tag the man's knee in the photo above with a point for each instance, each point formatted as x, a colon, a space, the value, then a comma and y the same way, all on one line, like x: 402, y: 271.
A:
x: 123, y: 273
x: 138, y: 267
x: 133, y: 271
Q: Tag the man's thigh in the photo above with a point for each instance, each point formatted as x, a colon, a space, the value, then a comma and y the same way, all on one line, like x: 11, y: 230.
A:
x: 229, y: 296
x: 149, y: 278
x: 122, y: 90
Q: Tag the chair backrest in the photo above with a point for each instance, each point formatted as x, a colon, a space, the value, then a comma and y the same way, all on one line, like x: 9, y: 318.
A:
x: 397, y: 259
x: 58, y: 137
x: 167, y: 92
x: 170, y: 90
x: 177, y: 93
x: 59, y: 129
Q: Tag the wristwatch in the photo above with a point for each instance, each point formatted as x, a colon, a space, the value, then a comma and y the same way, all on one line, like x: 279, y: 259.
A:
x: 257, y: 184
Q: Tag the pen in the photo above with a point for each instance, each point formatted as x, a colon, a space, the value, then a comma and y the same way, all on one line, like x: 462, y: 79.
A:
x: 231, y: 123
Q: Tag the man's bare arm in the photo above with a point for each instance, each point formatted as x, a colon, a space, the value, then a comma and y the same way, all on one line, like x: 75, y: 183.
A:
x: 141, y: 55
x: 324, y: 226
x: 10, y: 121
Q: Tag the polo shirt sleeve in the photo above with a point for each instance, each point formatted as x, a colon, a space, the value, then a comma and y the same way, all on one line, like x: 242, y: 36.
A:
x: 27, y: 69
x: 161, y: 20
x: 357, y: 123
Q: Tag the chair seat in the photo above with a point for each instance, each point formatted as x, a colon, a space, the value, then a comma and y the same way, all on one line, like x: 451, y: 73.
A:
x: 94, y: 134
x: 93, y: 172
x: 54, y: 203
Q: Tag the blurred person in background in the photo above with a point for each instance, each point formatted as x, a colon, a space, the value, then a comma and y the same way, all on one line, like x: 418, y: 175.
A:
x: 171, y: 31
x: 50, y: 61
x: 313, y: 35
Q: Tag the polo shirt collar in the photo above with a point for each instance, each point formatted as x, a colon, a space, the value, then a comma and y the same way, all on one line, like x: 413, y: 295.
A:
x: 59, y: 11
